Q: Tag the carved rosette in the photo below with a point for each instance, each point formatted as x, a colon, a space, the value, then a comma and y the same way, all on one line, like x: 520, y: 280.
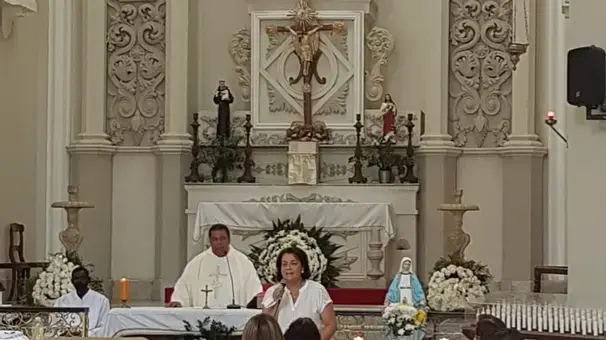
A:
x: 480, y: 72
x: 380, y: 43
x: 135, y: 71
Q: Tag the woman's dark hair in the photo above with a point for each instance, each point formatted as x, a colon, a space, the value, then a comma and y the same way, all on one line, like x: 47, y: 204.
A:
x: 299, y: 255
x: 507, y: 334
x: 488, y: 325
x: 302, y: 329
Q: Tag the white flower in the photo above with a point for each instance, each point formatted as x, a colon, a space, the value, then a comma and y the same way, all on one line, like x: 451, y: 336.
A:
x: 453, y: 288
x: 54, y: 281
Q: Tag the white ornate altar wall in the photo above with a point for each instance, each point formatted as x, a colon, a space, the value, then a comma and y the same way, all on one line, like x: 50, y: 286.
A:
x: 130, y: 143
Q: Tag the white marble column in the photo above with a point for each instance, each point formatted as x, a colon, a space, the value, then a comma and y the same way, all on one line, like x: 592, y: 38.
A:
x: 435, y: 104
x: 523, y: 131
x: 60, y: 90
x: 556, y: 59
x: 94, y: 77
x: 177, y: 48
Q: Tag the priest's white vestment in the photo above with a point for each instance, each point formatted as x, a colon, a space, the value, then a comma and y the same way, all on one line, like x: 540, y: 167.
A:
x: 98, y: 309
x: 208, y: 269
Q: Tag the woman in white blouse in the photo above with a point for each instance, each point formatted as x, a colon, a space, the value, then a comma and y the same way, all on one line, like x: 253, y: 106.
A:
x: 298, y: 297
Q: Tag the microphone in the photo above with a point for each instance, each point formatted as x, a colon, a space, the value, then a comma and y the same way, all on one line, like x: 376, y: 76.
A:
x: 233, y: 304
x: 277, y: 295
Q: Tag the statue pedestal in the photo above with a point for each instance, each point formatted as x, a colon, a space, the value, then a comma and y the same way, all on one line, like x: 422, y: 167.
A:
x: 303, y: 163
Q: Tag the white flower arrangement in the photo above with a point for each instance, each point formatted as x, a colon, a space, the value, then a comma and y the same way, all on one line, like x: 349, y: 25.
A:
x: 54, y: 281
x: 454, y: 288
x: 292, y: 238
x: 403, y: 319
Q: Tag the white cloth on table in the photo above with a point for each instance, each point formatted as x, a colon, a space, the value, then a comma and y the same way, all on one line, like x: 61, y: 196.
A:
x: 207, y: 269
x: 160, y: 320
x: 12, y: 335
x: 98, y: 308
x: 312, y: 300
x: 260, y: 215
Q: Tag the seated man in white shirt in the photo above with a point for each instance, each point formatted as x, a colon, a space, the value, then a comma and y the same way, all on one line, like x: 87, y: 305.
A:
x: 82, y: 296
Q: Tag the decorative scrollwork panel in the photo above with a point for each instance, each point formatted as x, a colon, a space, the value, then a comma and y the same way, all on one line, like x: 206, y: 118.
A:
x: 480, y: 72
x: 135, y: 71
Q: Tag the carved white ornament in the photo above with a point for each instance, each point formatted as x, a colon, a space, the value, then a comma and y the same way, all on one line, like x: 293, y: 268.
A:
x: 380, y: 43
x: 240, y: 53
x: 136, y: 71
x: 13, y: 9
x: 481, y: 69
x: 303, y: 163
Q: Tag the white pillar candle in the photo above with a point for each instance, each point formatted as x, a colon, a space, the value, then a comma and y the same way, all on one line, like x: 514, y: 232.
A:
x: 566, y: 319
x: 583, y: 325
x: 523, y: 312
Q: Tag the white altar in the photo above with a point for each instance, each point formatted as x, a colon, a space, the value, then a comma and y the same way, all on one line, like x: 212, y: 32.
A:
x: 368, y: 220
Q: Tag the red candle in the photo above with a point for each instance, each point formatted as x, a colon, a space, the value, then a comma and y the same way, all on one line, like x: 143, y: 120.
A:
x: 550, y: 115
x: 123, y: 289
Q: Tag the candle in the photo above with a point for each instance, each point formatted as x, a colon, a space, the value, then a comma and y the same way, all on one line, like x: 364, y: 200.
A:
x: 123, y: 290
x: 550, y: 115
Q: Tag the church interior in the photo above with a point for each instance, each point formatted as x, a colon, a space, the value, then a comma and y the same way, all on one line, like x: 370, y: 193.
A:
x: 396, y: 129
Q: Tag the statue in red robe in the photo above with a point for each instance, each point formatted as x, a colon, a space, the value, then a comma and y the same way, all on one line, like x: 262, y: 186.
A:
x: 389, y: 111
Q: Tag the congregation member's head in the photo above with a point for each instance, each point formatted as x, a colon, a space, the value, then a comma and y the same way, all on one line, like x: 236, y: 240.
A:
x: 219, y: 237
x: 302, y: 329
x: 507, y: 334
x: 80, y: 278
x: 262, y: 327
x: 488, y: 325
x: 292, y: 265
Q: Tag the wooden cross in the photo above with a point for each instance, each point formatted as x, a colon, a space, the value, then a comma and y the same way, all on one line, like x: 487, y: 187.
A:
x: 206, y: 290
x: 306, y: 41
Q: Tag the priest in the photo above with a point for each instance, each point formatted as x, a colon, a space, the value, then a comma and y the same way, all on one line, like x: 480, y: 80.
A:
x: 221, y: 276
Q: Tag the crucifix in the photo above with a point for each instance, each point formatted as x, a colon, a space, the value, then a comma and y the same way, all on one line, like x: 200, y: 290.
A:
x: 306, y: 42
x: 206, y: 291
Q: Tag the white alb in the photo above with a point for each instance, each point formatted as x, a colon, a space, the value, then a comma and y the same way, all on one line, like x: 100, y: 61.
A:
x: 98, y: 309
x: 208, y: 269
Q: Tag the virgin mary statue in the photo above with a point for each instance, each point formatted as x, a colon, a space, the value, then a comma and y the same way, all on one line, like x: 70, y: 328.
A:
x: 405, y: 287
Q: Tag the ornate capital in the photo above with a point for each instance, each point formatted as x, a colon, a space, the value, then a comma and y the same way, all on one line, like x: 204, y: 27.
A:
x: 13, y: 9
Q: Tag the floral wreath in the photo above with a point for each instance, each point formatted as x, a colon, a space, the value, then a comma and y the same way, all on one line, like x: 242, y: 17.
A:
x: 55, y: 280
x: 315, y: 242
x: 456, y: 283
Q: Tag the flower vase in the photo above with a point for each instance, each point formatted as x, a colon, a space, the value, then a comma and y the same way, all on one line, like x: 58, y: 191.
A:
x: 404, y: 337
x: 385, y: 176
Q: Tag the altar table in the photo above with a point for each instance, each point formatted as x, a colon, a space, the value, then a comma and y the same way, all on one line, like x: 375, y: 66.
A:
x: 165, y: 321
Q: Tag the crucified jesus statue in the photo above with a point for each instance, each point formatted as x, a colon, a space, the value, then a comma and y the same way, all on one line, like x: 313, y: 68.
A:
x: 306, y: 42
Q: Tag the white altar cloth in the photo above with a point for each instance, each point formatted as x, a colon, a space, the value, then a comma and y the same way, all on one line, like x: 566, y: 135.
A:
x: 260, y: 215
x: 160, y: 320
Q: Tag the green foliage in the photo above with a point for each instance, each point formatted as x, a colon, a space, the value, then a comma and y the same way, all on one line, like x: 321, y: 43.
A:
x: 480, y: 270
x: 222, y: 155
x: 328, y: 248
x: 210, y: 329
x: 383, y: 156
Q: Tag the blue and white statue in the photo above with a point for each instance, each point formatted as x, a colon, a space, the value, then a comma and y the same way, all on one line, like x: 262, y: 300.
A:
x: 406, y: 287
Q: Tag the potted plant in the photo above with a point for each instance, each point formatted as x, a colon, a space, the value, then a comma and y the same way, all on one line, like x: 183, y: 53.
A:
x: 383, y: 156
x: 223, y: 155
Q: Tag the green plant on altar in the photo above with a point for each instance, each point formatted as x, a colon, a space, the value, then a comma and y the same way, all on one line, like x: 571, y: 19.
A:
x: 223, y: 154
x: 315, y: 242
x: 61, y: 264
x: 210, y: 329
x: 383, y: 155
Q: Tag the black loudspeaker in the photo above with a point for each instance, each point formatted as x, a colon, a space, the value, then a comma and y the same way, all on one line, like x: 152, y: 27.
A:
x: 586, y: 76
